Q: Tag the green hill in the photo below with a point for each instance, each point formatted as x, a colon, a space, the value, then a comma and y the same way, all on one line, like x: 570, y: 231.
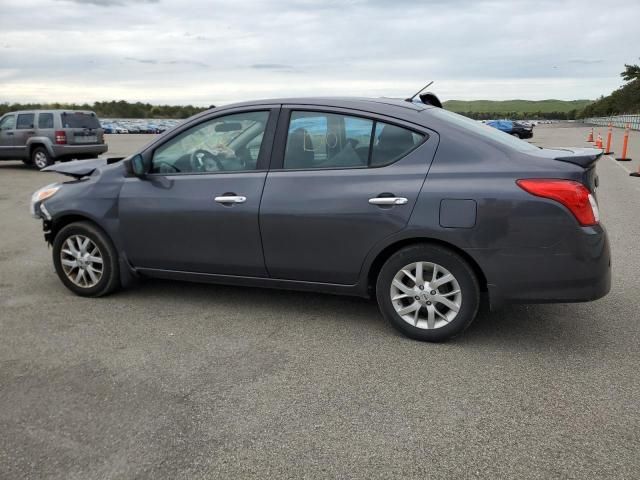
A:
x: 517, y: 108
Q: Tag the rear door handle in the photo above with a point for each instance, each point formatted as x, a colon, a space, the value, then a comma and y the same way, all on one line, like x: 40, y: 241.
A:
x: 388, y: 201
x: 230, y: 199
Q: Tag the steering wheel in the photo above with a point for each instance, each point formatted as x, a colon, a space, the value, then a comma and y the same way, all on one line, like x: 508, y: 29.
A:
x: 198, y: 158
x: 165, y: 167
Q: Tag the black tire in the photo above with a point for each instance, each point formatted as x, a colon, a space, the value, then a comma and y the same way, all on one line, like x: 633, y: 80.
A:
x: 456, y: 265
x: 110, y: 279
x: 40, y: 158
x: 517, y: 135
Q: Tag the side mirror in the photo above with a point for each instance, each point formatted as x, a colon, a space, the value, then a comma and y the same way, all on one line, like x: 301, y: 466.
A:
x: 138, y: 166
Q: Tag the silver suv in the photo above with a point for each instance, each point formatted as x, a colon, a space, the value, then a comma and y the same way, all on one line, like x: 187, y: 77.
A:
x: 40, y: 137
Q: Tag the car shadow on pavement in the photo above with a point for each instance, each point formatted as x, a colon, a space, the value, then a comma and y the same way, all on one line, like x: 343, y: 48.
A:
x: 526, y: 327
x: 11, y: 165
x: 542, y: 327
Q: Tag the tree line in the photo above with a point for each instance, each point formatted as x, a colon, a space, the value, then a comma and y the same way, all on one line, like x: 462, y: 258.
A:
x: 570, y: 115
x: 123, y: 109
x: 112, y: 109
x: 625, y: 99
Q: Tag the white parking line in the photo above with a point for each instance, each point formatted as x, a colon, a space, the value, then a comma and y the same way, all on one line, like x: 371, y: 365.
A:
x: 618, y: 163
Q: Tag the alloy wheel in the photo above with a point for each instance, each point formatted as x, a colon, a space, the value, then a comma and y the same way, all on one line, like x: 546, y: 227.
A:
x: 426, y: 295
x: 81, y: 261
x: 40, y: 160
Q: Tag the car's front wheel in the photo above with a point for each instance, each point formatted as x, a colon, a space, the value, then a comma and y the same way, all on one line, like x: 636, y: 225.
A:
x: 40, y: 158
x: 86, y: 260
x: 428, y: 292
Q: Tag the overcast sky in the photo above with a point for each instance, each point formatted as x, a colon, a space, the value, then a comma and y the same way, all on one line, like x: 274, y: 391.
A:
x: 212, y: 52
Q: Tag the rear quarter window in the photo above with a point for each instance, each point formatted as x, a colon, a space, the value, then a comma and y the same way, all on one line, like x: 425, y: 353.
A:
x: 45, y: 120
x: 392, y: 143
x: 79, y: 120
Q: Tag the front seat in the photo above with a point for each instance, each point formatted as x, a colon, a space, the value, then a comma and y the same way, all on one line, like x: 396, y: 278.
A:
x: 299, y: 152
x: 392, y: 142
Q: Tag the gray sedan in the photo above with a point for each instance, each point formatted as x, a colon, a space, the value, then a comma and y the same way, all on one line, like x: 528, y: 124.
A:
x: 425, y: 210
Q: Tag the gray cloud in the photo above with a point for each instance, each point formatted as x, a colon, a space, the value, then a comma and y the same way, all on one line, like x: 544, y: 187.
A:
x: 142, y: 60
x: 217, y: 51
x: 585, y: 61
x: 152, y: 61
x: 271, y: 66
x: 109, y: 3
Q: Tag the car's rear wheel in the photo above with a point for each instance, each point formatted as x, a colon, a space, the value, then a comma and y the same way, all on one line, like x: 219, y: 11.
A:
x: 514, y: 134
x: 428, y: 292
x: 40, y: 158
x: 85, y: 260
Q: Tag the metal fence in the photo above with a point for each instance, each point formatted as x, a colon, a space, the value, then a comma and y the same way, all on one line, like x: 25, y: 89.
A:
x: 617, y: 121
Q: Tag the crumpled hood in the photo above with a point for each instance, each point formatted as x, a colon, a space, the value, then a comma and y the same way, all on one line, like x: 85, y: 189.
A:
x: 80, y: 168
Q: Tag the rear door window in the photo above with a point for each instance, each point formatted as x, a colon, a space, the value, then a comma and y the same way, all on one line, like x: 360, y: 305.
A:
x: 45, y: 120
x: 328, y: 140
x: 25, y: 120
x: 79, y: 120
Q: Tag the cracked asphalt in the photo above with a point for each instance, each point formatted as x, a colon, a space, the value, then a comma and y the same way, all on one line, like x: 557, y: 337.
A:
x: 188, y: 381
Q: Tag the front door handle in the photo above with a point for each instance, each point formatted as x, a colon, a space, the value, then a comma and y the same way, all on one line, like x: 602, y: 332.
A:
x: 230, y: 199
x: 388, y: 201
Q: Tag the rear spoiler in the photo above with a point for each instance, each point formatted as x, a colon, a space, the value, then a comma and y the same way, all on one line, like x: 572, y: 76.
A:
x: 429, y: 98
x: 583, y: 157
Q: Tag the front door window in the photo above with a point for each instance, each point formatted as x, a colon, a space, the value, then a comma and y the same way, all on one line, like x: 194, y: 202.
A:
x: 230, y: 143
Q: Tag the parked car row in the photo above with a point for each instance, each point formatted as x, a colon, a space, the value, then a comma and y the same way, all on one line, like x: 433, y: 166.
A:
x: 517, y: 129
x: 138, y: 126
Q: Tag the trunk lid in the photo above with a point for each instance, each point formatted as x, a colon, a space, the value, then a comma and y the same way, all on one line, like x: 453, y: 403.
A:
x: 585, y: 158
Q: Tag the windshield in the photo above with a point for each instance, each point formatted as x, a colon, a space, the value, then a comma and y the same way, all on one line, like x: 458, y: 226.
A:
x: 79, y: 120
x: 484, y: 130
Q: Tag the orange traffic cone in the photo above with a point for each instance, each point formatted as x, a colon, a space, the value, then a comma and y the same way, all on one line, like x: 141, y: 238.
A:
x: 590, y: 137
x: 625, y: 144
x: 599, y: 141
x: 607, y: 151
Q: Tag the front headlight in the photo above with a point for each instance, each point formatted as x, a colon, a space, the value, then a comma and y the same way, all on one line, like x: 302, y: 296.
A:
x: 41, y: 195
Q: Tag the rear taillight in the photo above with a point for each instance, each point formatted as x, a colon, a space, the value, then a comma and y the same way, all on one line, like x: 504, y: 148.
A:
x: 573, y: 195
x: 61, y: 137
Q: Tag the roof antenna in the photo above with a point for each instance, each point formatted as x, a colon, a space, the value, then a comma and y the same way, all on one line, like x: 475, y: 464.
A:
x: 410, y: 99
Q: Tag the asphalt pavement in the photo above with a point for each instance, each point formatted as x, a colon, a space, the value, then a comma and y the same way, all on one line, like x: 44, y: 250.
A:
x: 188, y: 381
